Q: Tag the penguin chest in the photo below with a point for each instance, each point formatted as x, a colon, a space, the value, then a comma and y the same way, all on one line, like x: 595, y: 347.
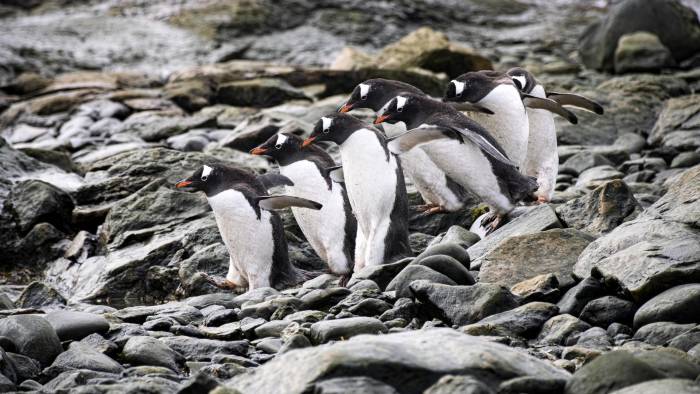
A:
x: 326, y: 225
x: 370, y: 177
x: 249, y: 240
x: 509, y: 123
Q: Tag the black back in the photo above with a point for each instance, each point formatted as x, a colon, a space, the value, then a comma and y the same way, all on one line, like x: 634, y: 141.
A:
x: 477, y: 84
x: 380, y: 92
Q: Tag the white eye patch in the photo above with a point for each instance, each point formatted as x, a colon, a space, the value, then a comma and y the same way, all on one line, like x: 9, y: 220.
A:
x: 281, y: 139
x: 205, y: 172
x: 364, y: 89
x: 459, y: 87
x: 326, y: 123
x: 400, y: 102
x: 521, y: 79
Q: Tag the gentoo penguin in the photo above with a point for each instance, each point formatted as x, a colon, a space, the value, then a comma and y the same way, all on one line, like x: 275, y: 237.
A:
x: 251, y: 231
x: 375, y: 185
x: 496, y: 91
x: 542, y: 159
x: 331, y: 231
x: 440, y: 192
x: 468, y: 152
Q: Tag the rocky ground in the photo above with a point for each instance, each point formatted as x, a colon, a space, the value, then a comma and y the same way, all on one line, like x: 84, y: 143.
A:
x: 104, y: 105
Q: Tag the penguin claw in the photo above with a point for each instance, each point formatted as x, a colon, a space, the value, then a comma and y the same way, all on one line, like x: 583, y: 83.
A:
x: 424, y: 207
x: 542, y: 200
x: 491, y: 223
x: 222, y: 283
x: 436, y: 209
x: 344, y: 279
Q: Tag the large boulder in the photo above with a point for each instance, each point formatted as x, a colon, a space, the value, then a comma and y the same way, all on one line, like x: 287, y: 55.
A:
x: 264, y: 92
x: 32, y: 336
x: 641, y: 52
x: 426, y: 355
x: 595, y: 377
x: 73, y: 325
x: 675, y: 25
x: 678, y: 305
x: 658, y: 249
x: 677, y: 124
x: 35, y: 201
x: 522, y: 257
x: 662, y: 386
x: 326, y: 330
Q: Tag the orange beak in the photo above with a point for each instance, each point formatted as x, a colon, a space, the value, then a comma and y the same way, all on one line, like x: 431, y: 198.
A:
x: 381, y: 119
x: 346, y: 108
x: 308, y: 142
x: 182, y: 184
x: 258, y: 151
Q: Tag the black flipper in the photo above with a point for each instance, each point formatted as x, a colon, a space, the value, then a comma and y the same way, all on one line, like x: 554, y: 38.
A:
x: 576, y: 100
x: 335, y: 173
x: 271, y: 180
x: 467, y: 106
x: 549, y: 105
x: 281, y: 201
x: 408, y: 140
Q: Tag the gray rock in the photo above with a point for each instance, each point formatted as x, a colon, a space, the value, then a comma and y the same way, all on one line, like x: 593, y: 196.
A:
x: 576, y: 298
x: 6, y: 302
x: 461, y: 305
x: 456, y: 234
x: 656, y: 250
x: 606, y: 310
x: 381, y: 274
x: 543, y: 287
x: 595, y: 377
x: 641, y: 52
x: 24, y: 367
x: 447, y: 266
x: 35, y: 201
x: 685, y: 159
x: 582, y: 161
x: 670, y: 362
x: 594, y: 337
x: 454, y: 250
x: 323, y: 299
x: 537, y: 219
x: 524, y: 321
x: 562, y: 330
x: 532, y: 384
x: 82, y: 356
x: 458, y: 384
x: 676, y: 126
x: 72, y: 325
x: 269, y: 345
x: 595, y: 176
x: 143, y: 350
x: 271, y: 329
x: 388, y: 357
x: 227, y: 300
x: 660, y: 333
x: 686, y: 340
x: 265, y: 92
x: 358, y: 384
x: 661, y: 386
x: 32, y: 336
x: 369, y: 307
x: 99, y: 343
x: 328, y: 330
x: 600, y: 211
x: 522, y: 257
x: 221, y: 317
x: 401, y: 283
x: 203, y: 349
x: 38, y: 295
x: 676, y: 305
x: 671, y: 21
x: 73, y: 378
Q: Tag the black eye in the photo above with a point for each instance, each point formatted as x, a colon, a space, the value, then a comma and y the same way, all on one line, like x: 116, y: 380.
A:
x: 364, y: 97
x: 400, y: 109
x: 325, y: 131
x: 458, y: 94
x: 278, y: 146
x: 204, y: 178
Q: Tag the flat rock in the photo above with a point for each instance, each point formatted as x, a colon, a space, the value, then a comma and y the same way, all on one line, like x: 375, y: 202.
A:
x: 327, y: 330
x: 461, y: 305
x: 387, y: 357
x: 143, y: 350
x: 204, y: 349
x: 82, y: 356
x: 678, y: 305
x: 522, y: 257
x: 660, y: 333
x: 72, y: 325
x: 524, y: 321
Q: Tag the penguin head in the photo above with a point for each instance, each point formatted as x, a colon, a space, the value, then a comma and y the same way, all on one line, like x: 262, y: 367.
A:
x: 213, y: 178
x: 522, y: 79
x: 334, y: 128
x: 474, y: 86
x: 279, y: 146
x: 402, y: 108
x: 374, y: 93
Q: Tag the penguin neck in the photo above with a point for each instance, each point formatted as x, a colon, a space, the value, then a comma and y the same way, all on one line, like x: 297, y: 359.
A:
x: 312, y: 153
x: 428, y: 108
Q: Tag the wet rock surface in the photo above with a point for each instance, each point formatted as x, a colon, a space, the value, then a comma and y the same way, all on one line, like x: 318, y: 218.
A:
x: 105, y: 105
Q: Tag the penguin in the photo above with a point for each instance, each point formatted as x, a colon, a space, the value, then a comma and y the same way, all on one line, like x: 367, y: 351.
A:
x: 331, y: 231
x: 252, y: 232
x: 375, y: 185
x: 496, y: 91
x: 440, y: 192
x: 468, y: 153
x: 542, y: 159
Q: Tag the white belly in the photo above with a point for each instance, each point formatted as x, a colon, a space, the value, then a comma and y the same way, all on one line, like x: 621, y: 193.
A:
x: 425, y: 175
x: 370, y: 180
x: 249, y: 240
x: 509, y: 124
x: 325, y: 228
x: 467, y: 165
x: 542, y: 159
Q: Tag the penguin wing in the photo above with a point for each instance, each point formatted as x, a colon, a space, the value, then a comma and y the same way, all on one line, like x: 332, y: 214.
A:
x: 576, y: 100
x: 270, y: 180
x: 281, y: 201
x: 549, y: 105
x: 408, y: 140
x: 484, y: 144
x: 335, y: 173
x: 467, y: 106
